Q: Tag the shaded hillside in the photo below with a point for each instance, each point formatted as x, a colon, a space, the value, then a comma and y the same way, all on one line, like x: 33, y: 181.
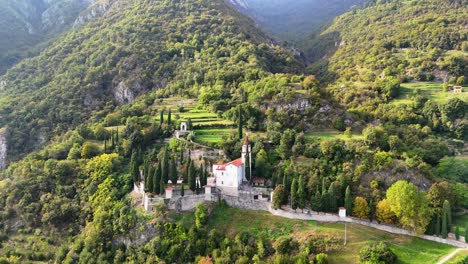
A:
x: 24, y: 24
x: 135, y: 47
x: 294, y: 20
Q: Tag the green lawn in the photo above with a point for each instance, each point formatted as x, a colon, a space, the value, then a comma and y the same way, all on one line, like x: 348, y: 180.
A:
x: 212, y: 135
x: 409, y: 250
x: 330, y: 134
x: 431, y: 90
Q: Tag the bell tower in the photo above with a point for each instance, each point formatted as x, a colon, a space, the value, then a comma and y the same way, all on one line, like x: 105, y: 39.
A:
x: 246, y: 149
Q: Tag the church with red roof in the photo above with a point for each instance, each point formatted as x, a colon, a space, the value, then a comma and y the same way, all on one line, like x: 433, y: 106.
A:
x: 232, y: 174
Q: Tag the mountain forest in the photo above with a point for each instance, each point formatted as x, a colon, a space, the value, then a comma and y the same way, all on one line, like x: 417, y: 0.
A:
x: 240, y: 131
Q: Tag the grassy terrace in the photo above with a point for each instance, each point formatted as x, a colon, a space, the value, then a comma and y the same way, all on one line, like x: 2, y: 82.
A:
x: 431, y: 90
x: 408, y: 249
x: 329, y: 134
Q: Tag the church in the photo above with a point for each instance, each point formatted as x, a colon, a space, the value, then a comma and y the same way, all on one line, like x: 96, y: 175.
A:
x: 232, y: 174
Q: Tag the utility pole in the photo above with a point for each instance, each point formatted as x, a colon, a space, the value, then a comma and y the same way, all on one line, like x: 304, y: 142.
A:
x: 345, y: 233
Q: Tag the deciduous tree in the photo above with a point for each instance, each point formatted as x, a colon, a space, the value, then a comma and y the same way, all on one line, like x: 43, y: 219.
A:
x: 409, y: 205
x: 361, y: 208
x: 384, y: 213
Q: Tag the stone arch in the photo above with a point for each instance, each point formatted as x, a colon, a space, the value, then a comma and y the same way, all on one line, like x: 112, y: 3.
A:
x: 183, y: 126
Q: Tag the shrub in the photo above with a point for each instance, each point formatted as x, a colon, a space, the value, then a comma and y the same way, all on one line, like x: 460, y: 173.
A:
x: 321, y: 258
x: 377, y: 253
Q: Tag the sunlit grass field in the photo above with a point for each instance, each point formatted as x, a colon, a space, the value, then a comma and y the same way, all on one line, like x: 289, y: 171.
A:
x: 408, y: 249
x: 431, y: 90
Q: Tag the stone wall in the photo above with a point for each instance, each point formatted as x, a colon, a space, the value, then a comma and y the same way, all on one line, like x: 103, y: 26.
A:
x: 326, y: 217
x: 245, y: 200
x: 185, y: 203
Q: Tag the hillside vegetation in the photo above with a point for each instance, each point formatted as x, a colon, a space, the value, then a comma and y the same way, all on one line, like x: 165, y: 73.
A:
x: 136, y: 47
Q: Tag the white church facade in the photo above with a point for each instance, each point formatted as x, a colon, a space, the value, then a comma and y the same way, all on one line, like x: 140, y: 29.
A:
x: 232, y: 174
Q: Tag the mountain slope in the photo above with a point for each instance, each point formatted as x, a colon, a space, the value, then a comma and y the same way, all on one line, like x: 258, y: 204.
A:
x: 293, y: 20
x: 135, y: 47
x: 24, y: 24
x: 405, y: 40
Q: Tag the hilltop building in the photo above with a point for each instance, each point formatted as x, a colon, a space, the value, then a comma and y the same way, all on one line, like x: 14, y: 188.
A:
x: 233, y: 173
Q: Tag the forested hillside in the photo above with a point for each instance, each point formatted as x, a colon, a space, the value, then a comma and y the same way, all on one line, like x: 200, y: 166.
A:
x: 26, y: 26
x: 405, y: 39
x: 367, y: 53
x: 96, y: 112
x: 134, y: 48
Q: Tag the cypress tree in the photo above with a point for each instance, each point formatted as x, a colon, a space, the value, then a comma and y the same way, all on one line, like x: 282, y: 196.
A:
x: 112, y: 140
x: 348, y: 201
x: 150, y: 183
x: 189, y: 125
x: 165, y: 166
x: 324, y: 190
x: 325, y: 199
x: 447, y: 208
x: 117, y: 135
x: 294, y: 194
x: 192, y: 177
x: 333, y: 205
x: 316, y: 201
x: 161, y: 117
x: 162, y: 187
x: 457, y: 233
x: 181, y: 155
x: 447, y: 216
x: 203, y: 177
x: 169, y: 117
x: 173, y: 171
x: 157, y: 179
x: 301, y: 193
x: 444, y: 224
x: 182, y: 190
x: 371, y: 211
x: 239, y: 123
x: 134, y: 167
x: 105, y: 145
x: 437, y: 228
x: 197, y: 188
x: 286, y: 182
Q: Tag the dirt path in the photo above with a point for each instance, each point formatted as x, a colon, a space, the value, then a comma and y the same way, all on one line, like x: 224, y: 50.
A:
x: 449, y: 256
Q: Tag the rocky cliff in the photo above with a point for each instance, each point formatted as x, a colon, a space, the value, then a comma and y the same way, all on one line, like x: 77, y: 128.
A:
x: 3, y: 149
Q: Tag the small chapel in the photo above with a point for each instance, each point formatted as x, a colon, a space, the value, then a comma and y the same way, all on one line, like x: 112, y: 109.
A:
x: 232, y: 174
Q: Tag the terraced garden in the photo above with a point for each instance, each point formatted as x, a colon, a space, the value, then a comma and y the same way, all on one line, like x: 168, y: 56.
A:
x: 325, y: 134
x: 431, y: 90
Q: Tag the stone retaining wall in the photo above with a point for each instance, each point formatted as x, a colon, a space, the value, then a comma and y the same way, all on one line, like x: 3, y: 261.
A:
x: 325, y: 217
x: 245, y: 200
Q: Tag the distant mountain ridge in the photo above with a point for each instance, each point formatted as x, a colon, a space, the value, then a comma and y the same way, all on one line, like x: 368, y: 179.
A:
x: 293, y: 20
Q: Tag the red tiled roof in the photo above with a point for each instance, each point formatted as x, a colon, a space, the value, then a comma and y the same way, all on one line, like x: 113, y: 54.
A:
x: 237, y: 163
x: 259, y: 180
